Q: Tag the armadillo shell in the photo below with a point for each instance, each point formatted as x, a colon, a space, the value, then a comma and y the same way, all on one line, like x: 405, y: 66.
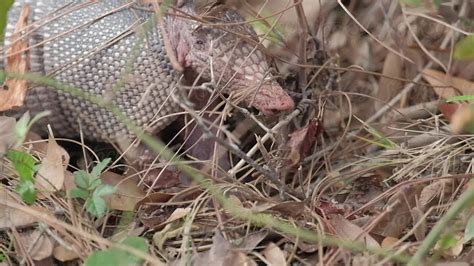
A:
x: 104, y: 49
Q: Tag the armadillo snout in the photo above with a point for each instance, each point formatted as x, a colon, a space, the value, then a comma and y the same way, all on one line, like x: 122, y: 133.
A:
x: 271, y: 99
x: 282, y: 104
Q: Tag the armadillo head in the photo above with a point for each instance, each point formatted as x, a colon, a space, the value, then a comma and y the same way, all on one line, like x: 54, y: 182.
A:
x: 224, y: 49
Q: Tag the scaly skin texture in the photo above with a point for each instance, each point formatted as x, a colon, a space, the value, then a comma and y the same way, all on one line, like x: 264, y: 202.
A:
x: 103, y: 48
x: 92, y: 46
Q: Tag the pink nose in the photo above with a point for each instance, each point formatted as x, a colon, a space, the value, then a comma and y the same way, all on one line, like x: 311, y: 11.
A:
x: 272, y: 99
x: 282, y: 104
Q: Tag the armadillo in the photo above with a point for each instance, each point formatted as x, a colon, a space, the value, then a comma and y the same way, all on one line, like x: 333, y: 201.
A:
x: 103, y: 48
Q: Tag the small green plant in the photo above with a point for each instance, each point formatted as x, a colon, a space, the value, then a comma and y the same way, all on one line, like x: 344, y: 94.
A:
x: 115, y: 256
x: 91, y: 189
x: 25, y: 165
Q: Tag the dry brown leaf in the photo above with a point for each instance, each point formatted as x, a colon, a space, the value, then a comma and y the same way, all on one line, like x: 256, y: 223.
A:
x: 7, y: 133
x: 62, y: 254
x: 155, y: 198
x: 289, y: 208
x: 349, y: 231
x: 447, y: 86
x: 69, y: 182
x: 235, y: 201
x: 462, y: 118
x: 15, y: 94
x: 50, y: 176
x: 10, y: 217
x: 127, y: 195
x: 388, y: 88
x: 38, y: 244
x: 157, y: 179
x: 301, y: 141
x: 417, y: 216
x: 250, y: 242
x: 398, y: 216
x: 437, y: 191
x: 274, y: 255
x: 168, y: 214
x: 38, y: 144
x: 222, y: 253
x: 177, y: 214
x: 448, y: 109
x: 389, y: 242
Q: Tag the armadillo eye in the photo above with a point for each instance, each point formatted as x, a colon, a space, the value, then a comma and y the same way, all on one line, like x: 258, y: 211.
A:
x: 199, y: 42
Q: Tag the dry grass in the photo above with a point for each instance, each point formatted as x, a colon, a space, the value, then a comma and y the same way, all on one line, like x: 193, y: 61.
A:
x: 360, y: 173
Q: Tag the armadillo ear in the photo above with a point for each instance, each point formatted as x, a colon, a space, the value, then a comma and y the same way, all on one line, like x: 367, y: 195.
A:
x: 178, y: 38
x: 182, y: 50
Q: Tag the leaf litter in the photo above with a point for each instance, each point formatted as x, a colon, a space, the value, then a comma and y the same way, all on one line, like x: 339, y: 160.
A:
x: 333, y: 176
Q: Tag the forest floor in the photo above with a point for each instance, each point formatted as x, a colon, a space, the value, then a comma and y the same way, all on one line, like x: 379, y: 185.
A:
x: 373, y: 167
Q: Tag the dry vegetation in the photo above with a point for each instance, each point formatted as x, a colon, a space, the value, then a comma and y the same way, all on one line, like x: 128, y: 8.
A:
x: 373, y: 167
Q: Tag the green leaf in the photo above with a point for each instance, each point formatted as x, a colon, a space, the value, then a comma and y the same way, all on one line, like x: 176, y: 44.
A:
x: 82, y: 179
x: 97, y: 170
x: 21, y: 128
x: 104, y: 190
x: 464, y: 50
x: 115, y: 256
x: 94, y: 183
x: 139, y: 243
x: 37, y: 117
x: 469, y: 230
x: 99, y: 258
x: 460, y: 98
x: 79, y: 193
x: 24, y: 164
x: 27, y: 191
x: 96, y: 206
x: 24, y: 124
x: 4, y: 6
